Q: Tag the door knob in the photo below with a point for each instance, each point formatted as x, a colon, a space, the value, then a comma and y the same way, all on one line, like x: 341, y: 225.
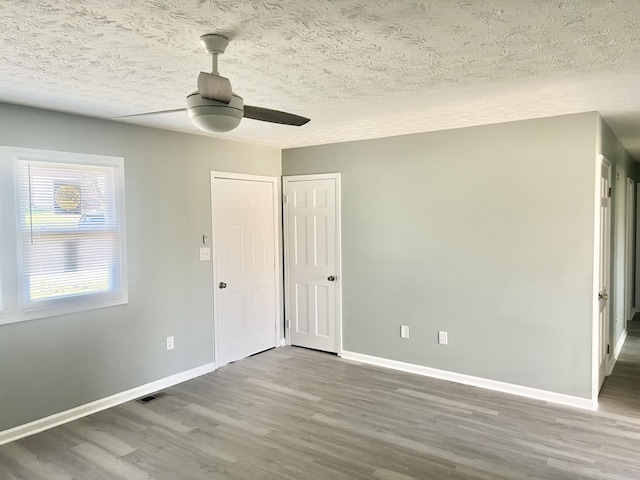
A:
x: 331, y: 278
x: 222, y: 285
x: 603, y: 296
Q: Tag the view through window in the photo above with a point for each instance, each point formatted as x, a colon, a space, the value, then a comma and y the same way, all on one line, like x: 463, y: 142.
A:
x: 69, y: 233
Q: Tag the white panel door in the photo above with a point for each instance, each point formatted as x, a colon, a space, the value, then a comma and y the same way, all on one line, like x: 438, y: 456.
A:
x: 605, y: 268
x: 312, y: 253
x: 244, y: 267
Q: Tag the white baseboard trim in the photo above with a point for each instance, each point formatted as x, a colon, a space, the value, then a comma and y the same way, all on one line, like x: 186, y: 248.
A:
x: 616, y: 352
x: 56, y: 419
x: 544, y: 395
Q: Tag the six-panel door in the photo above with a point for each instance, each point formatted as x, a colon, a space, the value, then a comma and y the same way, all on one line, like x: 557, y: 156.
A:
x: 312, y: 269
x: 244, y: 264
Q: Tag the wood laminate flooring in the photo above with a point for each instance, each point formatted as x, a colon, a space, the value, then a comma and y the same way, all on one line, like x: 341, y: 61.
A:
x: 299, y: 414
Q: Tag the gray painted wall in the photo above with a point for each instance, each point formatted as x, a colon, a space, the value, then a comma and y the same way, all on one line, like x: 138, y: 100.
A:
x: 53, y: 364
x: 485, y: 232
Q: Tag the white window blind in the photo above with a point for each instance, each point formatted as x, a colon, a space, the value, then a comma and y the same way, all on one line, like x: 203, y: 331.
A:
x: 62, y: 233
x: 69, y: 232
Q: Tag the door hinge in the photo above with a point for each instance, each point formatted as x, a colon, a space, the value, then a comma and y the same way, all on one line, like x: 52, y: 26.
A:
x: 288, y: 323
x: 285, y: 198
x: 608, y: 348
x: 609, y: 192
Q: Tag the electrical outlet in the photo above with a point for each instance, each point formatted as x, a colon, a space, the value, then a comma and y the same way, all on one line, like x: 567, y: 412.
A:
x: 205, y: 254
x: 170, y: 343
x: 443, y: 338
x: 404, y: 331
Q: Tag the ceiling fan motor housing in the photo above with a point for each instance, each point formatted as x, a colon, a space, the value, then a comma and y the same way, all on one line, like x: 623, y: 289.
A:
x: 213, y: 116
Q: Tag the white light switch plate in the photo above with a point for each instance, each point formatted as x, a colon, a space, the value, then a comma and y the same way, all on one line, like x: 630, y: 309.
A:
x: 205, y: 254
x: 404, y: 331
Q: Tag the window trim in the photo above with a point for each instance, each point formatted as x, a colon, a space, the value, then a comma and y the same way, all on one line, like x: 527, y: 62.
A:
x: 13, y: 311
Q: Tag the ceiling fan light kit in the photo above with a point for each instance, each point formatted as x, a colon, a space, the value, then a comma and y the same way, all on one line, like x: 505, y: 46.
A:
x: 213, y: 116
x: 214, y: 108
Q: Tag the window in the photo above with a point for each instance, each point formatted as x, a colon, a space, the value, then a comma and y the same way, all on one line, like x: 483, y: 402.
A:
x: 65, y: 250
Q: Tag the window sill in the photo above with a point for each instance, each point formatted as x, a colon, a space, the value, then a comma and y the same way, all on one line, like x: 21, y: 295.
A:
x: 69, y: 308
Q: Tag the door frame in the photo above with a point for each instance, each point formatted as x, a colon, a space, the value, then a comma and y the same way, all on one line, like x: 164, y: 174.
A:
x: 277, y: 245
x: 298, y: 178
x: 601, y: 160
x: 630, y: 216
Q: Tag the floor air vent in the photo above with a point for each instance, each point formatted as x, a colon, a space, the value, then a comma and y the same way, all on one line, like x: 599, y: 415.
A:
x: 152, y: 397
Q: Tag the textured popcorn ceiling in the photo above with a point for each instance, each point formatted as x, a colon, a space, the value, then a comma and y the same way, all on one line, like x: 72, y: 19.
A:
x: 358, y: 69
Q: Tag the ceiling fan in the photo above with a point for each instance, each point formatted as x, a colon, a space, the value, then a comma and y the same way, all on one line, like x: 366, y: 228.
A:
x: 214, y: 107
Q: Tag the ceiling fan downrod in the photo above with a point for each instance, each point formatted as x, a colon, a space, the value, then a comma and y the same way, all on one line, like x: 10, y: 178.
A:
x: 214, y: 64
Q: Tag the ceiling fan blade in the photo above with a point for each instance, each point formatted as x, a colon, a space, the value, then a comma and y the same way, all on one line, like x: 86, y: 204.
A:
x: 152, y: 113
x: 214, y: 87
x: 274, y: 116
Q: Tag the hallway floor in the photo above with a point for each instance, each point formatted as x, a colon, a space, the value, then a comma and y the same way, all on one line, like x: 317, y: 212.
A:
x: 620, y: 394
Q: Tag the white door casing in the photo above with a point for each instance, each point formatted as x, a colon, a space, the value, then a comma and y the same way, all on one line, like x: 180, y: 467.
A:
x: 246, y: 287
x: 603, y: 220
x: 313, y: 277
x: 629, y: 246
